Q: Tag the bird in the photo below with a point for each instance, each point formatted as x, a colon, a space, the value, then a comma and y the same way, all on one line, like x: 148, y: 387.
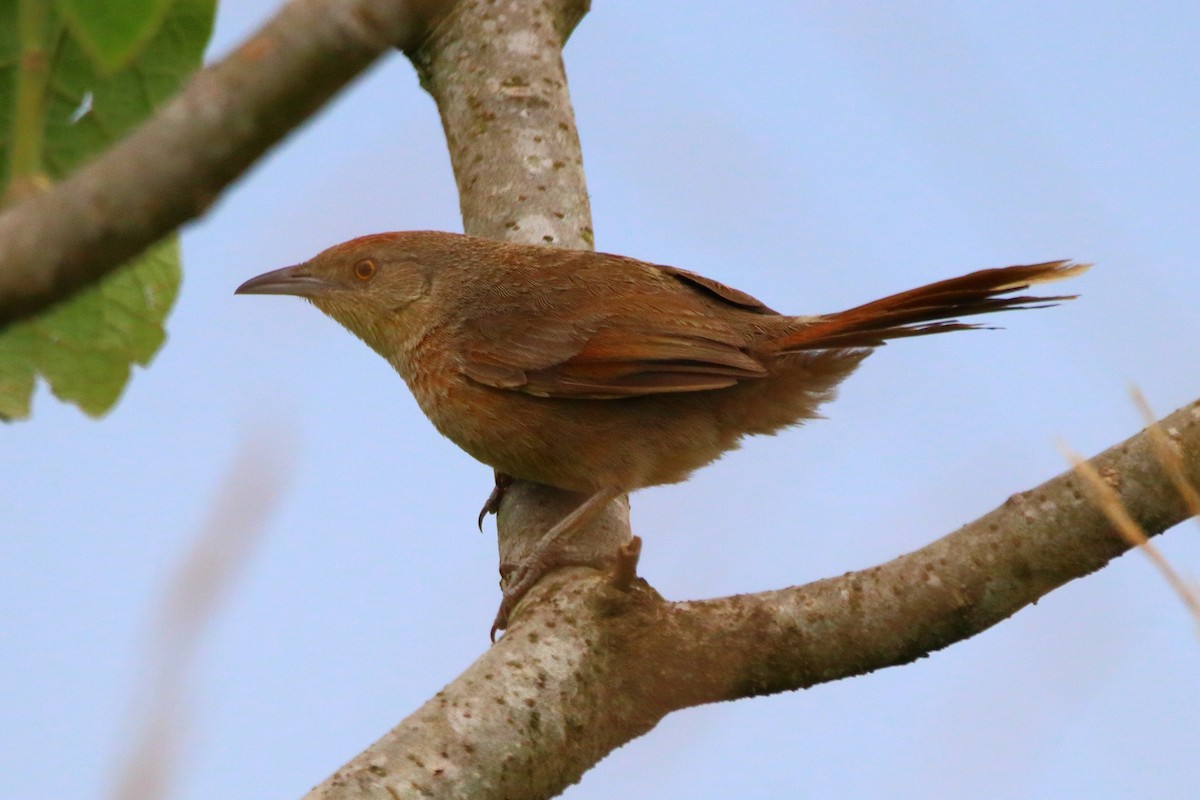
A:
x: 601, y: 374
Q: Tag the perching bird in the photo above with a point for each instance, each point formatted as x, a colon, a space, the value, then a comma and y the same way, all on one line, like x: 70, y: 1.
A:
x: 602, y: 374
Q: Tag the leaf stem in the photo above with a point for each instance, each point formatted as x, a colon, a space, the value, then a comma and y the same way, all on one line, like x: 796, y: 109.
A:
x: 26, y: 174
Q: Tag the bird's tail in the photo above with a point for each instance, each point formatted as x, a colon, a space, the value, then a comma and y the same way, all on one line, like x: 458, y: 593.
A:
x: 934, y: 308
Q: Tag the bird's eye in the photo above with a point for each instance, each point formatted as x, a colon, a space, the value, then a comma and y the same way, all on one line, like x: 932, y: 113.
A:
x: 364, y: 270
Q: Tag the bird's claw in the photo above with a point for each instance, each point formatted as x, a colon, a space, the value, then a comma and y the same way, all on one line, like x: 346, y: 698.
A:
x: 501, y: 621
x: 492, y: 504
x: 515, y: 581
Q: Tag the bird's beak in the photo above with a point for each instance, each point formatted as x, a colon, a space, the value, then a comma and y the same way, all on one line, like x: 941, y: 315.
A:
x: 297, y: 280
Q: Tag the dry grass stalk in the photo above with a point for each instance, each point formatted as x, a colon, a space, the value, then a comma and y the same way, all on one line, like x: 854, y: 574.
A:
x: 204, y: 577
x: 1107, y: 500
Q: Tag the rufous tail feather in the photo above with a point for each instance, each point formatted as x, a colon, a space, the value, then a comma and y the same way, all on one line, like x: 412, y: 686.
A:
x: 934, y: 308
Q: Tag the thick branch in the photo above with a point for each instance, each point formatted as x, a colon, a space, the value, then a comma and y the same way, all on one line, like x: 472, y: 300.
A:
x: 950, y: 590
x: 587, y: 667
x: 496, y: 72
x: 172, y: 167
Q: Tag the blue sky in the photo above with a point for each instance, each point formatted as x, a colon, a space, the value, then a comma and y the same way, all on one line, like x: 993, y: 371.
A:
x: 817, y: 155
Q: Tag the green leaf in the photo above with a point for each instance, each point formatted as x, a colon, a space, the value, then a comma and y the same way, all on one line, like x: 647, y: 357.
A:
x: 84, y: 348
x: 87, y: 111
x: 113, y: 31
x: 17, y: 372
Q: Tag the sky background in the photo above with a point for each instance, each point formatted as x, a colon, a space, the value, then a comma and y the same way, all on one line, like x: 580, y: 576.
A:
x: 815, y: 154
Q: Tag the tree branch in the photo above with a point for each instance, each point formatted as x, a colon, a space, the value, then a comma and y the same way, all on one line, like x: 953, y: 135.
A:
x: 587, y: 667
x: 952, y: 589
x: 171, y: 168
x: 496, y: 72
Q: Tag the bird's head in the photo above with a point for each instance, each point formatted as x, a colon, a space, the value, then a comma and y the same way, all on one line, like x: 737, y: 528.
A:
x: 373, y: 285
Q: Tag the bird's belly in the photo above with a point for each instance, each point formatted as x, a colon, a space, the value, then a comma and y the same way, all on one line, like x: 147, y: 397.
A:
x: 578, y: 445
x: 585, y: 445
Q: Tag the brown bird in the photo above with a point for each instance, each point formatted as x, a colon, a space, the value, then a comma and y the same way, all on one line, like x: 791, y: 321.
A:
x: 602, y: 374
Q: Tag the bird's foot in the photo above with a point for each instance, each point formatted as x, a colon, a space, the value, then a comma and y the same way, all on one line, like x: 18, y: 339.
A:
x: 517, y: 579
x: 492, y: 504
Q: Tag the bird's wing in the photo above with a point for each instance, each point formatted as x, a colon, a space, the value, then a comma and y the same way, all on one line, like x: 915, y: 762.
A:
x: 652, y: 337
